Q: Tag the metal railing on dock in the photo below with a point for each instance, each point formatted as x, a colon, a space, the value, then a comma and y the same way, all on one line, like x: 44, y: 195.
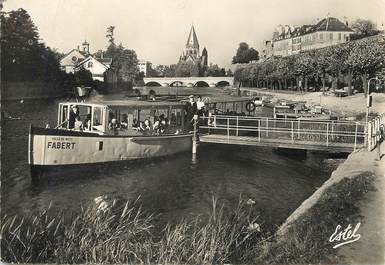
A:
x: 325, y: 135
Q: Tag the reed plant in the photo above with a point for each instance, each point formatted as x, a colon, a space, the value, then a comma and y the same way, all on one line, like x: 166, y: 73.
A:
x: 124, y: 233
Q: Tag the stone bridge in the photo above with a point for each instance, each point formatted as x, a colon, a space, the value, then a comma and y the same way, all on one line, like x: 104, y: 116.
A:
x: 189, y: 81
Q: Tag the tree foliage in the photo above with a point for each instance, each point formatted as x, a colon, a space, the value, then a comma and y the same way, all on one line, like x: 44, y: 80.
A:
x: 215, y: 70
x: 124, y: 62
x: 165, y: 70
x: 360, y: 59
x: 364, y: 27
x: 110, y: 35
x: 245, y: 54
x: 23, y: 57
x: 187, y: 69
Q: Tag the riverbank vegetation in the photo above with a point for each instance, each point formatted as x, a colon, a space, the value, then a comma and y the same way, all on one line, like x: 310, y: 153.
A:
x: 26, y: 58
x: 307, y: 239
x: 124, y: 233
x: 350, y: 63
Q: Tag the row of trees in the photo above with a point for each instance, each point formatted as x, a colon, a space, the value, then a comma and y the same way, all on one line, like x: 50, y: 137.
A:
x: 355, y: 61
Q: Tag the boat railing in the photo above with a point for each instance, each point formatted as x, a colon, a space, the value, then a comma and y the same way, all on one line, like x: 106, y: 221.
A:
x: 61, y: 124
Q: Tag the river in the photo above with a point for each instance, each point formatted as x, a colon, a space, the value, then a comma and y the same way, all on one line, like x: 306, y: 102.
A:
x: 174, y: 187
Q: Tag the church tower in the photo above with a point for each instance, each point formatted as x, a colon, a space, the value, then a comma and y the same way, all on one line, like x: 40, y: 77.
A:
x: 204, y: 57
x: 192, y: 45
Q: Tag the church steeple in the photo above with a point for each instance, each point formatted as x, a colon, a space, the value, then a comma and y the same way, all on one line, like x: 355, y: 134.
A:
x: 192, y: 41
x: 192, y: 45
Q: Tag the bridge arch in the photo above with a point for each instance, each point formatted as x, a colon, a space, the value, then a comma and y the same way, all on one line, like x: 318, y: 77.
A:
x: 201, y: 84
x: 176, y: 83
x: 152, y: 83
x: 223, y: 83
x: 152, y: 94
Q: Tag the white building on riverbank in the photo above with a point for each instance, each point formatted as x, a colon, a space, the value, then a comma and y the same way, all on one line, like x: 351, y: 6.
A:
x: 78, y: 59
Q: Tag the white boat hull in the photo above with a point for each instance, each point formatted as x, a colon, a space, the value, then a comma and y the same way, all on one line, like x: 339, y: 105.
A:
x: 50, y: 147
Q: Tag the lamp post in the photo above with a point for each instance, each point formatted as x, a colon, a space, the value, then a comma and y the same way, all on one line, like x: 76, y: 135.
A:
x: 369, y: 98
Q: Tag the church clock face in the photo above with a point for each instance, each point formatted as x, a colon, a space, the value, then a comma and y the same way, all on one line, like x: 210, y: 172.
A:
x: 74, y: 59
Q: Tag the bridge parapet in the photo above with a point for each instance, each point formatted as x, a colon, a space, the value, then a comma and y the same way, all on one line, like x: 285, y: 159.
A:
x: 185, y: 81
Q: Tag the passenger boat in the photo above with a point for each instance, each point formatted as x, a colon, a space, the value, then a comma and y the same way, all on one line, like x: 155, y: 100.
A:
x: 99, y: 132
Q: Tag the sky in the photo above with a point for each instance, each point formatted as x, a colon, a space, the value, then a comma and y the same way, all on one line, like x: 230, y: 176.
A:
x: 158, y: 29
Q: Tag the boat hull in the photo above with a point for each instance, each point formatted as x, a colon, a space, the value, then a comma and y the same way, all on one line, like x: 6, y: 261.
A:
x: 51, y: 147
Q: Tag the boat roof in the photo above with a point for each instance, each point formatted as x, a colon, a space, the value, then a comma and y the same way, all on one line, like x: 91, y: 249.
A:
x: 128, y: 103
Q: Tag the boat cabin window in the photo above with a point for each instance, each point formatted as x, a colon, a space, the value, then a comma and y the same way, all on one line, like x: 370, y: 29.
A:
x: 97, y: 119
x: 145, y: 121
x: 81, y: 117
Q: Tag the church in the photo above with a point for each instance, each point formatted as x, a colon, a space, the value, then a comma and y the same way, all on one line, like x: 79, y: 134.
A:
x: 191, y: 56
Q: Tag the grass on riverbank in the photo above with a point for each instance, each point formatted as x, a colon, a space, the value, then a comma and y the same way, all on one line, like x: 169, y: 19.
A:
x: 307, y: 239
x: 125, y: 234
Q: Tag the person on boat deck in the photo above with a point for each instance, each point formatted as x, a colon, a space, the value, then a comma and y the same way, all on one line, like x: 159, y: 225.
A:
x: 78, y: 126
x: 191, y: 109
x: 73, y: 114
x: 200, y: 106
x: 87, y: 122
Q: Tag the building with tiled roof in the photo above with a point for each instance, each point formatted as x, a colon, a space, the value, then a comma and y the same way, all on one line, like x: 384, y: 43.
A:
x: 80, y: 58
x: 288, y: 40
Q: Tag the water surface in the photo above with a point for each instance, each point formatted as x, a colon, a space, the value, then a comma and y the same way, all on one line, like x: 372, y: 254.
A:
x: 173, y: 186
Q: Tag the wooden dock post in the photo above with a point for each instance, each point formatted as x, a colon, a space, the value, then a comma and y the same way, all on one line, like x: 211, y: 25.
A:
x: 194, y: 139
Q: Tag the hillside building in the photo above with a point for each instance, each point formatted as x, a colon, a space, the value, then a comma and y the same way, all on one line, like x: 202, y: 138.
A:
x: 288, y: 40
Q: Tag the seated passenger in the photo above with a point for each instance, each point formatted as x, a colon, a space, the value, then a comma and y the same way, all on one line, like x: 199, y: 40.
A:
x: 173, y: 118
x: 156, y: 126
x: 163, y: 123
x: 113, y: 124
x: 87, y: 123
x: 124, y: 121
x: 146, y: 126
x: 135, y: 123
x: 78, y: 126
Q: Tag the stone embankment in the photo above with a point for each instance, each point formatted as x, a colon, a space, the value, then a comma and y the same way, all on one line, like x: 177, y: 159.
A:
x: 369, y: 249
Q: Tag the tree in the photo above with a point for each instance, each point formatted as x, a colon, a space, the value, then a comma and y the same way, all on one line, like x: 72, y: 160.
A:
x: 229, y: 73
x: 214, y: 70
x: 110, y: 35
x: 23, y: 58
x: 82, y: 77
x: 245, y: 54
x: 367, y: 58
x: 124, y: 62
x: 364, y: 27
x: 187, y: 69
